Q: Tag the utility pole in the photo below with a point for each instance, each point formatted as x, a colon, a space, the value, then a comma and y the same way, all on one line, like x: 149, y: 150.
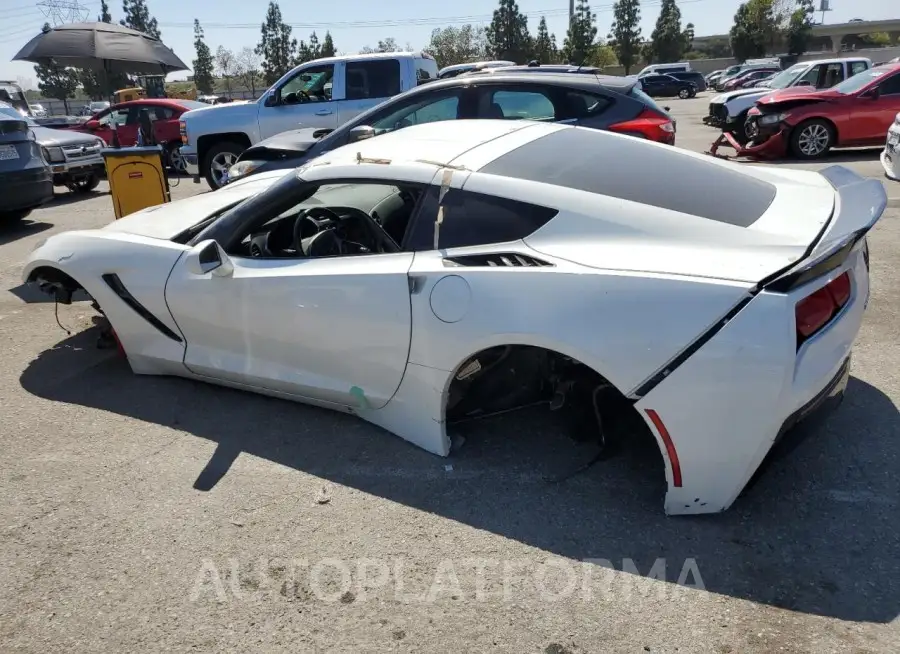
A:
x: 571, y: 11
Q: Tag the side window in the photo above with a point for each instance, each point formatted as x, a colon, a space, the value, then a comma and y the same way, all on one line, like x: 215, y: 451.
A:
x: 474, y: 219
x: 426, y: 70
x: 429, y: 110
x: 585, y: 105
x: 890, y: 86
x: 834, y: 74
x: 311, y: 84
x: 518, y: 104
x: 375, y: 78
x: 857, y: 67
x: 811, y: 76
x: 164, y: 113
x: 118, y: 116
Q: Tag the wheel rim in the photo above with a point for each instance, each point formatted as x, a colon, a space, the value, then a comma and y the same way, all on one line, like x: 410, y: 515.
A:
x: 751, y: 129
x: 683, y: 93
x: 813, y: 140
x: 220, y: 165
x: 176, y: 160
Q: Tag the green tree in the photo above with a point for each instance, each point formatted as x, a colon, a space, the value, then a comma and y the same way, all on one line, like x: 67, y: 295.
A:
x: 799, y: 29
x: 457, y: 45
x: 105, y: 16
x: 507, y: 35
x: 327, y: 49
x: 754, y: 29
x: 667, y: 40
x: 688, y: 36
x: 579, y: 43
x: 226, y: 65
x: 248, y: 67
x: 544, y: 44
x: 602, y: 56
x: 137, y: 17
x: 203, y: 64
x: 276, y: 46
x: 57, y: 82
x: 625, y: 33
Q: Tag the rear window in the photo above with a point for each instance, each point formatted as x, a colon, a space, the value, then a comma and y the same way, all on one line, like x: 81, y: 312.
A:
x: 642, y: 97
x: 372, y: 78
x: 597, y: 162
x: 426, y: 70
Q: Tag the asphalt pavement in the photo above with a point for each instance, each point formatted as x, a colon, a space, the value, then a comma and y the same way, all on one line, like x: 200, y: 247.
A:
x: 156, y: 514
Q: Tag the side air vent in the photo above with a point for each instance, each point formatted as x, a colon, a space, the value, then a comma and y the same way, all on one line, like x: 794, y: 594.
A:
x: 112, y: 280
x: 496, y: 260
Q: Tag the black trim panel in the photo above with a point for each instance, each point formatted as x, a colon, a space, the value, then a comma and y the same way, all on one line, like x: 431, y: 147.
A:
x: 112, y: 280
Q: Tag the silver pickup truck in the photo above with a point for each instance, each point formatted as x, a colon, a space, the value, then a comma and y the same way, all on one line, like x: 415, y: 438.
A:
x: 324, y: 93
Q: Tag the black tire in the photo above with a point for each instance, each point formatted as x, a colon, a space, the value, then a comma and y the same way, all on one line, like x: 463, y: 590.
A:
x: 12, y: 216
x: 740, y: 129
x: 684, y: 94
x: 215, y: 158
x: 174, y: 160
x: 84, y: 185
x: 812, y: 139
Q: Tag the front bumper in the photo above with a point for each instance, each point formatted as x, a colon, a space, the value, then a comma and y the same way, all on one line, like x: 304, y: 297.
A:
x: 767, y: 142
x: 191, y: 161
x: 718, y: 114
x: 67, y: 171
x: 26, y: 189
x: 890, y: 156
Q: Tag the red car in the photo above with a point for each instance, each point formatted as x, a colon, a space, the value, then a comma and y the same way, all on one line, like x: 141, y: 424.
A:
x: 164, y: 115
x: 807, y: 123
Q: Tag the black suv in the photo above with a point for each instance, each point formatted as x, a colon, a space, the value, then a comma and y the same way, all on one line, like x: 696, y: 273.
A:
x: 666, y: 86
x: 596, y: 101
x: 25, y: 178
x: 692, y: 76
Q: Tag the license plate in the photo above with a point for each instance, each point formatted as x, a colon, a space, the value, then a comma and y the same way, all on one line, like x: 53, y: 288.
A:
x: 8, y: 152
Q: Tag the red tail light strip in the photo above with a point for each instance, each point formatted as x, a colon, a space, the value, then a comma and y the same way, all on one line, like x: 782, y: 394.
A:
x: 650, y: 125
x: 670, y: 446
x: 817, y: 309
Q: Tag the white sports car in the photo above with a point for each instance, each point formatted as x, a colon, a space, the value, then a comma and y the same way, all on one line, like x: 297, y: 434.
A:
x: 462, y: 268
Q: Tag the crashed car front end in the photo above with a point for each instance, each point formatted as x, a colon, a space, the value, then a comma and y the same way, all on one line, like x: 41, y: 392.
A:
x: 769, y: 131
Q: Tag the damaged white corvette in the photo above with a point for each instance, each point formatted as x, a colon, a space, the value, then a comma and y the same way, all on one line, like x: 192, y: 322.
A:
x: 469, y: 267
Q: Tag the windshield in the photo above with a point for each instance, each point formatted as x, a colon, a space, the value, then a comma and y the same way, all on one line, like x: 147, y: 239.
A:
x: 853, y: 84
x: 14, y: 96
x: 9, y: 112
x: 787, y: 77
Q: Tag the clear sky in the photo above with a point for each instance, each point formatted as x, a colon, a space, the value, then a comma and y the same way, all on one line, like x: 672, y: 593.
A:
x: 355, y: 24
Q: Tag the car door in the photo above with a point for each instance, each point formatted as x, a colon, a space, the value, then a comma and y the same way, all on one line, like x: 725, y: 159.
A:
x: 368, y: 82
x: 873, y: 115
x: 125, y: 120
x: 305, y: 99
x: 335, y: 330
x: 165, y: 124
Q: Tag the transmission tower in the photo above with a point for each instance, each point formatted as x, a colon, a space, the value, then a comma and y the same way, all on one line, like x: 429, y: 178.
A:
x: 60, y: 12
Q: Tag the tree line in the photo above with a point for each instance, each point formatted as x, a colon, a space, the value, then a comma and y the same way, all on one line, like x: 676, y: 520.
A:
x: 760, y: 27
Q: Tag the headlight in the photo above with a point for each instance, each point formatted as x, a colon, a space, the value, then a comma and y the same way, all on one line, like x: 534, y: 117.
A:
x: 53, y: 155
x: 771, y: 119
x: 100, y: 143
x: 243, y: 168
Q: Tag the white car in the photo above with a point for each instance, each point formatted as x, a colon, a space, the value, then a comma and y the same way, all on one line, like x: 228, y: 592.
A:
x: 890, y: 158
x: 463, y: 268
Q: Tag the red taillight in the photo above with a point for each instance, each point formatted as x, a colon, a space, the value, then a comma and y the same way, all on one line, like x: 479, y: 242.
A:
x: 815, y: 311
x: 650, y: 125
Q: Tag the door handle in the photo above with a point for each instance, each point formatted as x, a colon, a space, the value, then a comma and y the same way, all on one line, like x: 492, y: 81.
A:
x: 324, y: 112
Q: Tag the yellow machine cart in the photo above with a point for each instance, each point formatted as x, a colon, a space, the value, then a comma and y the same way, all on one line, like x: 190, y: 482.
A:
x: 137, y: 178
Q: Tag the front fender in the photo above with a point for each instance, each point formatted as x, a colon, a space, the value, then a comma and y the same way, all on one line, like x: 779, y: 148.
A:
x: 142, y: 265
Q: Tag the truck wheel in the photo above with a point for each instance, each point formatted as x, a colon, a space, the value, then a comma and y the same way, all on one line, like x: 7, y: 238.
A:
x: 218, y: 160
x: 84, y: 184
x: 812, y: 139
x: 174, y: 159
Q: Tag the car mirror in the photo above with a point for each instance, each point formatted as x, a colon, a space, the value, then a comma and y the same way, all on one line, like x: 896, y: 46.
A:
x: 874, y: 94
x: 209, y: 257
x: 92, y: 125
x: 271, y: 99
x: 360, y: 133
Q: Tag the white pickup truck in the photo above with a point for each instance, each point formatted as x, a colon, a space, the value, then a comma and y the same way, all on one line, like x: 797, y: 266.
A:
x: 729, y: 110
x: 324, y: 93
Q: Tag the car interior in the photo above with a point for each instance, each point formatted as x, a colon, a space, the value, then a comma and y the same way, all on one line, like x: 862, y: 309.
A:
x: 337, y: 220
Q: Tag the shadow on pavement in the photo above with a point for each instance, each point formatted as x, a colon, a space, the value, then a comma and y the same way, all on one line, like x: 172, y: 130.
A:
x: 817, y: 534
x: 16, y: 229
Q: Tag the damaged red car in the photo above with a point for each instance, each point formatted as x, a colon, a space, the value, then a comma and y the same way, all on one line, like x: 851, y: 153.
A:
x: 806, y: 123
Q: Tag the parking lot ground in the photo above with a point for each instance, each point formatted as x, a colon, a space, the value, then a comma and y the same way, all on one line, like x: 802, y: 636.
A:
x: 155, y: 514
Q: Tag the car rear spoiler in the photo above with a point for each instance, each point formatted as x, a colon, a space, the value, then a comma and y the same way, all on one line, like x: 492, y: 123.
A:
x: 859, y: 203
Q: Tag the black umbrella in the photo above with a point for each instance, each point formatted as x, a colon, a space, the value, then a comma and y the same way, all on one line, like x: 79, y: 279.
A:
x: 103, y: 47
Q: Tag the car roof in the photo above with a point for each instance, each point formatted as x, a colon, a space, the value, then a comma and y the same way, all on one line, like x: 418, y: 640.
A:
x: 143, y: 102
x: 586, y: 80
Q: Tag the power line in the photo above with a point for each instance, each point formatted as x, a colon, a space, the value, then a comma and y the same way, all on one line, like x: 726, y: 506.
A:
x: 60, y: 12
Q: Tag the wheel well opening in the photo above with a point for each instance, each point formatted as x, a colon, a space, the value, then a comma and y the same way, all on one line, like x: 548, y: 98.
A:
x: 56, y: 283
x: 204, y: 143
x: 585, y: 405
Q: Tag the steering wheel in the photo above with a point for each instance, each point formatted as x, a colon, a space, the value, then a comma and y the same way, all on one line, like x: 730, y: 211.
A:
x: 306, y: 216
